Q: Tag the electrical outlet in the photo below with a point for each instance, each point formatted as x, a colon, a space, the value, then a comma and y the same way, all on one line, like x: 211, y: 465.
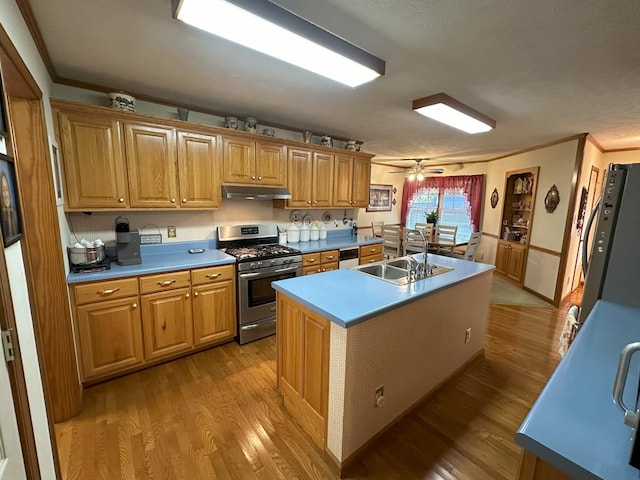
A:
x: 171, y: 232
x: 467, y: 335
x: 378, y: 397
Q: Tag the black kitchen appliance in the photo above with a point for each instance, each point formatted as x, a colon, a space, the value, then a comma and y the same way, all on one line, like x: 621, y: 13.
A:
x: 261, y: 260
x: 127, y: 243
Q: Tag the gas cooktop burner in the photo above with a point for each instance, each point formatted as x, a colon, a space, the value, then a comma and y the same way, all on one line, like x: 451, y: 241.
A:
x: 271, y: 250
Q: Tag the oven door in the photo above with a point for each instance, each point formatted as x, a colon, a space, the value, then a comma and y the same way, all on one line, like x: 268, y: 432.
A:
x: 256, y: 296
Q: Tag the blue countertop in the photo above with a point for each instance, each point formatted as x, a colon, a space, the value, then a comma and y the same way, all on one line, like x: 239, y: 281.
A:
x: 166, y: 257
x: 161, y: 258
x: 331, y: 294
x: 574, y: 424
x: 335, y: 241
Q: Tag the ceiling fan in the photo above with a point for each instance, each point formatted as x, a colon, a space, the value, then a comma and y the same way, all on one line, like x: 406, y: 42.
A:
x: 417, y: 171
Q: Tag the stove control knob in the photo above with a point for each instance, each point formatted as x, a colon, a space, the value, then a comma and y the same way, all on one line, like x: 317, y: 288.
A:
x: 258, y: 264
x: 273, y: 262
x: 252, y: 265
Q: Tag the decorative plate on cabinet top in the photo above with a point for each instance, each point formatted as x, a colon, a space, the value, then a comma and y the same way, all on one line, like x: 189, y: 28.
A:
x: 307, y: 220
x: 326, y: 217
x: 296, y: 216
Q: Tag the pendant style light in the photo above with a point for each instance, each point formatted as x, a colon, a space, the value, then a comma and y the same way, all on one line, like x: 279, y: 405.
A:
x: 272, y: 30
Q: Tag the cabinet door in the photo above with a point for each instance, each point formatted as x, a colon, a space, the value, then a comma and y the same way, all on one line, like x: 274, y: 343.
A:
x: 516, y: 263
x: 361, y: 182
x: 502, y: 257
x: 151, y: 164
x: 300, y: 174
x: 198, y: 171
x: 238, y: 160
x: 93, y: 158
x: 214, y: 312
x: 303, y: 365
x: 109, y: 337
x: 343, y: 181
x: 271, y: 164
x: 322, y: 179
x: 167, y: 323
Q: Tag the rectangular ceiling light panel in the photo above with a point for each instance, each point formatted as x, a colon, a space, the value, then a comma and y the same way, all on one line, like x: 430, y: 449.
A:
x: 443, y: 108
x: 279, y: 33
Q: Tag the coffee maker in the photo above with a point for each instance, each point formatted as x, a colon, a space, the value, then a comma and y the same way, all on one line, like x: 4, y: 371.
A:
x: 127, y: 243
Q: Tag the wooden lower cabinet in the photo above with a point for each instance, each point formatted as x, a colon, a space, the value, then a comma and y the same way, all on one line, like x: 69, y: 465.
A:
x: 534, y: 468
x: 303, y: 340
x: 370, y: 253
x: 167, y: 323
x: 124, y: 324
x: 511, y: 259
x: 320, y: 262
x: 109, y: 337
x: 214, y: 313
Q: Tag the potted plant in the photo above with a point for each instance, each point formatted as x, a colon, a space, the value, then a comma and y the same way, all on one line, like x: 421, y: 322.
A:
x: 432, y: 217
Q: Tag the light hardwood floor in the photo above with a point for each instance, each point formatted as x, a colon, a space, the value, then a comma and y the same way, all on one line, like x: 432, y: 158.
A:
x: 216, y: 415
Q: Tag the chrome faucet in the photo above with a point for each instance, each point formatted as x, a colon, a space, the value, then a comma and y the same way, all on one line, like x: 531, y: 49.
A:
x: 421, y: 269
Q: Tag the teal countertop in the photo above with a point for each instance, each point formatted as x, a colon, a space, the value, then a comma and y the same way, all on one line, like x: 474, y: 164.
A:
x: 158, y: 258
x: 347, y: 297
x: 574, y: 424
x: 166, y: 257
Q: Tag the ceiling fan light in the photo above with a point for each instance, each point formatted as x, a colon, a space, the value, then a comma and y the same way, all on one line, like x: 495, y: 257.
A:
x: 442, y: 108
x: 419, y: 176
x: 264, y: 26
x: 412, y: 176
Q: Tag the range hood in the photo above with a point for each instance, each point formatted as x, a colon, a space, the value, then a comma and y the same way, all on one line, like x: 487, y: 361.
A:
x: 255, y: 193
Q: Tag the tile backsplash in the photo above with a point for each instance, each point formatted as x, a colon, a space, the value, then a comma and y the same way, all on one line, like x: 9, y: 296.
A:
x: 193, y: 225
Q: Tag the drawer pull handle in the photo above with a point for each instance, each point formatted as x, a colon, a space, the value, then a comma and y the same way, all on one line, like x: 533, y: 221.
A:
x: 213, y: 275
x: 330, y: 257
x: 166, y: 283
x: 109, y: 291
x: 311, y: 260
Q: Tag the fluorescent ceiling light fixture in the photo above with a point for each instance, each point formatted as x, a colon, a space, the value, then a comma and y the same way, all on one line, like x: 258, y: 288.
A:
x: 270, y: 29
x: 443, y: 108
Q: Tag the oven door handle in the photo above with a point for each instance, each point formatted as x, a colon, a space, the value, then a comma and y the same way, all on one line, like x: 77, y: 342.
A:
x: 286, y: 269
x: 249, y: 275
x: 257, y: 325
x: 268, y: 273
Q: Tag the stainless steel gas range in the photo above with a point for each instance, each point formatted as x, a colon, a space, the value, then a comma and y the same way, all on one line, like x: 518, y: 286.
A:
x: 260, y: 261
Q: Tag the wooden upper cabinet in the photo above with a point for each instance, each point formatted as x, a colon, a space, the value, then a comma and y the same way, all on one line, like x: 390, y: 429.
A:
x: 271, y: 164
x: 151, y: 165
x: 322, y: 175
x: 94, y: 163
x: 300, y: 174
x: 198, y: 170
x: 254, y: 163
x: 361, y: 182
x: 238, y: 160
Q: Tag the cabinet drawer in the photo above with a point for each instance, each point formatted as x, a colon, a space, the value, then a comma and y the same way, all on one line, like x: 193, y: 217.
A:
x: 367, y: 250
x: 310, y: 270
x: 310, y: 259
x: 164, y: 281
x: 329, y: 256
x: 107, y: 290
x: 212, y: 274
x: 371, y: 259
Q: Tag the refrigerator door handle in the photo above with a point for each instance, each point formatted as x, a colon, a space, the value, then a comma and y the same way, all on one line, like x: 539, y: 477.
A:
x: 630, y: 416
x: 587, y: 232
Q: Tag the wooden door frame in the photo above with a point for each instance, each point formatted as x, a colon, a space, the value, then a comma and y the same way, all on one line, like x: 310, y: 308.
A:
x: 29, y: 147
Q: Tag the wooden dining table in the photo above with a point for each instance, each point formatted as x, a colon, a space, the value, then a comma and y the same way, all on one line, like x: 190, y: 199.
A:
x: 434, y: 240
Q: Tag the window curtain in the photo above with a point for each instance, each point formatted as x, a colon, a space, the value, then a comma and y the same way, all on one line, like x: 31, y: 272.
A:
x: 471, y: 185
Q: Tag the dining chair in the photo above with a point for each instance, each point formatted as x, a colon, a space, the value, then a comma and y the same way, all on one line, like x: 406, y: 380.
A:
x: 376, y: 227
x: 472, y: 248
x: 446, y: 233
x: 390, y: 241
x: 414, y: 245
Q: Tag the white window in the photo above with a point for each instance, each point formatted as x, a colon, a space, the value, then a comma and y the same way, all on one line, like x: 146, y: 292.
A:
x: 451, y: 205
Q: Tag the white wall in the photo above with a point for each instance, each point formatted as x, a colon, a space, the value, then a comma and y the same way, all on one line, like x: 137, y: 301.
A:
x: 14, y: 25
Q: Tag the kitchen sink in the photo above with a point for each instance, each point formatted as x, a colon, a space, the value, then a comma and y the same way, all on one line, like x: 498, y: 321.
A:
x: 396, y: 270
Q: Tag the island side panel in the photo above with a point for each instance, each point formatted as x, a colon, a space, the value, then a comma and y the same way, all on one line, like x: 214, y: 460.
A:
x: 410, y: 350
x: 337, y: 371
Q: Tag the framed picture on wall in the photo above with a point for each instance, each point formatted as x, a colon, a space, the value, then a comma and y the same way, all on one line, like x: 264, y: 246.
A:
x: 10, y: 219
x: 380, y: 198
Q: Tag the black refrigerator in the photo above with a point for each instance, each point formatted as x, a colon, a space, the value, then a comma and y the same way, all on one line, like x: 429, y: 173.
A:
x: 613, y: 267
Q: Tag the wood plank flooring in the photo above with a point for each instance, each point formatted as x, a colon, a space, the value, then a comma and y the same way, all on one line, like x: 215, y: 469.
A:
x: 216, y: 415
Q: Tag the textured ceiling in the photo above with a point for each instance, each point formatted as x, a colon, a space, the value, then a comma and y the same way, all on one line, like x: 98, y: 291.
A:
x: 544, y: 69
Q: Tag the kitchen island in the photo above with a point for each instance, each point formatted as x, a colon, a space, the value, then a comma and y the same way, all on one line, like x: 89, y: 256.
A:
x: 356, y: 352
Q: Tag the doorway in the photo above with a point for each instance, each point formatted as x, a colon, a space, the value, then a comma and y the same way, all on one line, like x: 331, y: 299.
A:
x: 593, y: 190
